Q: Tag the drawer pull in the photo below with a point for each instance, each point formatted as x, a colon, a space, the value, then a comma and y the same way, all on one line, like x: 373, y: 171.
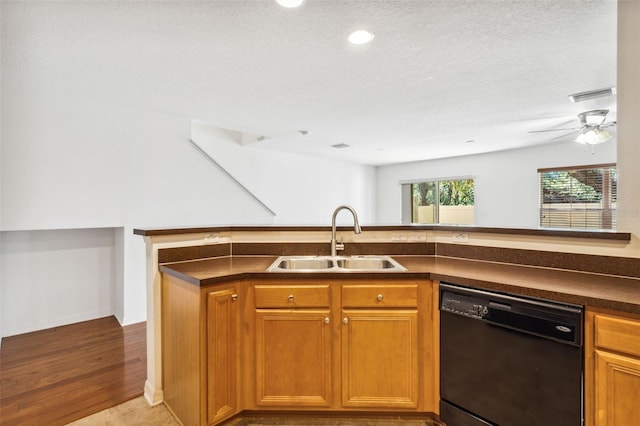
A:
x: 290, y: 298
x: 234, y: 297
x: 380, y: 297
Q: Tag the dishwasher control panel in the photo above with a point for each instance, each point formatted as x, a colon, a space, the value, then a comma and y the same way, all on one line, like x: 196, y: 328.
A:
x: 463, y: 305
x: 545, y: 318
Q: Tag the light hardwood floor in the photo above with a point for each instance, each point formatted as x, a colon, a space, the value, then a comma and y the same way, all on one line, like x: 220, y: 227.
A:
x: 53, y: 377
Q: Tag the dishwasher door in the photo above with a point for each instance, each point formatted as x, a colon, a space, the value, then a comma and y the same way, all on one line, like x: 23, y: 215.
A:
x: 509, y: 361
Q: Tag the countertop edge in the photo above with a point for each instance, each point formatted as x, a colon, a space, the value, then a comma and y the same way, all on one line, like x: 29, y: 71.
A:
x: 548, y: 232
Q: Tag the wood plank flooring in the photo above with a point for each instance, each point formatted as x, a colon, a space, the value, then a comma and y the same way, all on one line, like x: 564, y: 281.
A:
x: 97, y: 369
x: 56, y: 376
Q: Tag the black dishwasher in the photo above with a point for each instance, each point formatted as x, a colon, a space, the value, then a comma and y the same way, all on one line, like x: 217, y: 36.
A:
x: 509, y: 361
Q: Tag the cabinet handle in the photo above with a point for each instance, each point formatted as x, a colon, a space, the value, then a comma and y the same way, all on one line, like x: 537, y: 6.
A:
x: 345, y: 320
x: 380, y: 297
x: 234, y: 297
x: 326, y: 320
x: 290, y: 298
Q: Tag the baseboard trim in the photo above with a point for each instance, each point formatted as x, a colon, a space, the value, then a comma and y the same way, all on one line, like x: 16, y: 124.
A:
x: 151, y: 395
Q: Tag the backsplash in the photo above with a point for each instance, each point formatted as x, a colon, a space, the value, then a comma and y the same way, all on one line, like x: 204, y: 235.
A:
x: 606, y: 265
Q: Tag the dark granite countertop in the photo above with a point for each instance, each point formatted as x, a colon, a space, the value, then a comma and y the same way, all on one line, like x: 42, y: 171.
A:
x: 595, y: 290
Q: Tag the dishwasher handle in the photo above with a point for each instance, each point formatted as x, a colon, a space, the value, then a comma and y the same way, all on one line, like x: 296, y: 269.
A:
x: 563, y: 328
x: 497, y: 305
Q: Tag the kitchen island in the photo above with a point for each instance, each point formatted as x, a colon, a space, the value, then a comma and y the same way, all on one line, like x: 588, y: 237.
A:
x: 235, y: 267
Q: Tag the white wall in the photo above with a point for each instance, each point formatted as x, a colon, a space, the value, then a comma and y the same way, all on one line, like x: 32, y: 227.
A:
x: 78, y: 163
x: 628, y: 116
x: 56, y: 277
x: 506, y: 191
x: 299, y: 189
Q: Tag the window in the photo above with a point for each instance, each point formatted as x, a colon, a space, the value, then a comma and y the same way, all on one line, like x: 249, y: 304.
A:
x: 439, y: 201
x: 578, y: 197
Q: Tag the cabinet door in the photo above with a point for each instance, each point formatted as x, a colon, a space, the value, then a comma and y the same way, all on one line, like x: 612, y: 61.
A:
x: 380, y: 358
x: 221, y: 355
x: 617, y: 389
x: 293, y: 358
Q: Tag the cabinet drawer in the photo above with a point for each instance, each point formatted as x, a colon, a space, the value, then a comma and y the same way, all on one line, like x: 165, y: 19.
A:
x: 380, y: 296
x: 618, y: 334
x: 292, y: 296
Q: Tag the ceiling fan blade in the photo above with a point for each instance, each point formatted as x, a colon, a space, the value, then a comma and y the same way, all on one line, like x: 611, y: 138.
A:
x: 566, y: 135
x: 554, y: 130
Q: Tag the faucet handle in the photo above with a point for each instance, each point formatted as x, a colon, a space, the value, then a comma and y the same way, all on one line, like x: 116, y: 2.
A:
x: 339, y: 245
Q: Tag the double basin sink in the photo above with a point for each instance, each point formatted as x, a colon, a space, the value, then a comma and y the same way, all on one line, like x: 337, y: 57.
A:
x: 335, y: 264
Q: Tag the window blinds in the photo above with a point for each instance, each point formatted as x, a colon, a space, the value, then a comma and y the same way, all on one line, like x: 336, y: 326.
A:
x: 578, y: 197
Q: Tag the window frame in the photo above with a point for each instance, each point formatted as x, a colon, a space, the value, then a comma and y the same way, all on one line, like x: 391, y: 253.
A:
x: 608, y: 205
x: 407, y: 198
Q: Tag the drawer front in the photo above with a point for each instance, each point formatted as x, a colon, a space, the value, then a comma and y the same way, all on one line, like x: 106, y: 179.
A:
x: 292, y: 296
x: 619, y: 334
x: 380, y: 296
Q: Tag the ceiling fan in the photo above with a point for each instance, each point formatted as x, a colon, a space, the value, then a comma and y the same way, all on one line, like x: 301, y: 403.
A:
x: 592, y: 128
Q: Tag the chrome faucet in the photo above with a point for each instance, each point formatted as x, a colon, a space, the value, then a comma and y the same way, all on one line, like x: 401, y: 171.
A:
x: 335, y: 246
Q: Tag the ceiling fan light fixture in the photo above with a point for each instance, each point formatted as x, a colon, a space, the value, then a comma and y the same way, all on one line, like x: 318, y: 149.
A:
x: 592, y: 94
x: 595, y: 117
x: 593, y: 136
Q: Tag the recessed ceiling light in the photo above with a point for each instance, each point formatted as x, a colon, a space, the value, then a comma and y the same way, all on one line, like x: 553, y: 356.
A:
x: 290, y: 3
x: 360, y: 37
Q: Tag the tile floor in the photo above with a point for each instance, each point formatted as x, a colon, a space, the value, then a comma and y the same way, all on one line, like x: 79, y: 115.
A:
x: 137, y: 412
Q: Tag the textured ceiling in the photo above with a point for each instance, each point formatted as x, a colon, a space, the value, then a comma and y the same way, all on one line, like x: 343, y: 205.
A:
x: 437, y: 74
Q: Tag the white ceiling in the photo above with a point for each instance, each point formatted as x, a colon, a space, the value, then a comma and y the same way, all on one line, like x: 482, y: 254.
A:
x: 437, y: 74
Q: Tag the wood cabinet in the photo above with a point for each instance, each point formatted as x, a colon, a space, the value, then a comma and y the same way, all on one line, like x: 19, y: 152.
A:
x: 293, y: 358
x: 346, y: 345
x: 222, y: 354
x: 612, y: 345
x: 380, y: 346
x: 200, y: 351
x: 293, y: 346
x: 308, y: 344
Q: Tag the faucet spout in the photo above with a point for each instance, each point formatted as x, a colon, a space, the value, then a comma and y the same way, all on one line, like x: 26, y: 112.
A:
x: 335, y: 246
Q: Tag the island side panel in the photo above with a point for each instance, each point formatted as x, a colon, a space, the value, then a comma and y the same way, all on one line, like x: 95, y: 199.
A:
x: 181, y: 357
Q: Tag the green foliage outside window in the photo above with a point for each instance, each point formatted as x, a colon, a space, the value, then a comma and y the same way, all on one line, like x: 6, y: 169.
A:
x: 424, y: 194
x: 451, y: 193
x: 572, y: 186
x: 445, y: 201
x: 457, y: 192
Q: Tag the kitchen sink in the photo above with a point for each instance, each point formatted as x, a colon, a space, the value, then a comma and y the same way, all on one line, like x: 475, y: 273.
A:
x: 335, y: 264
x: 302, y: 263
x: 373, y: 263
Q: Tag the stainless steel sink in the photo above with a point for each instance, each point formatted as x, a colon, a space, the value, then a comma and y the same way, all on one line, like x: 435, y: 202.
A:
x: 335, y: 264
x: 373, y: 263
x: 303, y: 263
